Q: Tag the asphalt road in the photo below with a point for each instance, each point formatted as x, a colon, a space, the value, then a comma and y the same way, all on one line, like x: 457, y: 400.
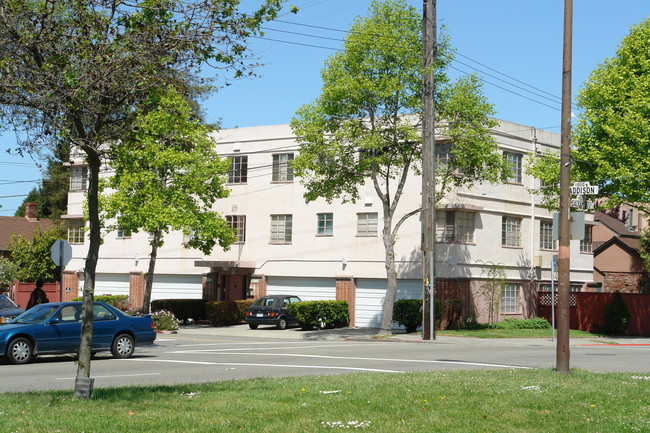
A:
x: 206, y: 355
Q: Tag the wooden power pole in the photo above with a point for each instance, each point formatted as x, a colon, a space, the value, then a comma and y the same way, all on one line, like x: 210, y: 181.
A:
x: 429, y: 48
x: 564, y: 229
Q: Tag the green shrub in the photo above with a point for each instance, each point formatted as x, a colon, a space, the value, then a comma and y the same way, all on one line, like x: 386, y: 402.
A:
x: 165, y: 320
x: 536, y: 323
x: 114, y: 300
x: 321, y: 314
x: 408, y: 313
x: 226, y: 313
x: 183, y: 309
x: 617, y: 316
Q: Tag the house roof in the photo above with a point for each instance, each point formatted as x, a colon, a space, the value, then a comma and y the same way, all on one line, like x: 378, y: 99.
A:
x: 631, y: 245
x: 615, y: 225
x: 20, y: 226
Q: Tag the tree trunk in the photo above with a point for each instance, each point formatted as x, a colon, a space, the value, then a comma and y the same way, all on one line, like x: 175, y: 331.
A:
x: 148, y: 286
x: 391, y: 274
x: 83, y: 383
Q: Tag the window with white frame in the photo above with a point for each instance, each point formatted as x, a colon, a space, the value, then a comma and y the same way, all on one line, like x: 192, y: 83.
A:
x: 455, y: 226
x: 325, y: 224
x: 78, y: 178
x: 511, y: 231
x: 443, y: 155
x: 367, y: 224
x: 123, y: 233
x: 515, y: 162
x: 546, y: 241
x: 510, y: 298
x: 586, y: 243
x: 282, y: 168
x: 281, y: 229
x: 76, y: 231
x: 238, y: 169
x: 238, y: 223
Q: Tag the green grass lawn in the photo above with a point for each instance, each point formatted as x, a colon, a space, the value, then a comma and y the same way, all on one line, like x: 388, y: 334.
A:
x: 441, y: 401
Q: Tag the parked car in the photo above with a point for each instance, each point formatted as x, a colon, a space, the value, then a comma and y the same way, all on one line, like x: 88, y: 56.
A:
x: 271, y: 310
x: 8, y: 309
x: 55, y: 328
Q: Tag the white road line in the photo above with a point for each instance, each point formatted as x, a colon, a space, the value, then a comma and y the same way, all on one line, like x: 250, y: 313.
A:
x: 245, y: 364
x: 354, y: 358
x: 111, y: 376
x: 274, y: 348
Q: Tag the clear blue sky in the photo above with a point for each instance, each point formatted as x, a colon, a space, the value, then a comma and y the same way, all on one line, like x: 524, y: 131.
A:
x: 508, y: 42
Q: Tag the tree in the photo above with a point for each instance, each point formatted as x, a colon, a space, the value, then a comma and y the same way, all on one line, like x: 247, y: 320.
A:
x: 8, y: 273
x: 364, y: 127
x: 492, y: 290
x: 167, y: 176
x: 33, y: 256
x: 612, y: 137
x: 76, y: 71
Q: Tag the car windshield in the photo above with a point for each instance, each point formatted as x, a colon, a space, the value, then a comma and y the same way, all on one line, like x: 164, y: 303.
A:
x: 35, y: 315
x: 5, y: 302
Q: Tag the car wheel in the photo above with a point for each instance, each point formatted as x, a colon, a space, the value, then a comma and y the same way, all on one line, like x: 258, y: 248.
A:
x: 20, y: 351
x: 282, y: 323
x: 253, y: 325
x: 123, y: 346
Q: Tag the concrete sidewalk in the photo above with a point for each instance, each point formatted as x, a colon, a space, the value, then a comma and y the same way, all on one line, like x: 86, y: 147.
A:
x: 371, y: 334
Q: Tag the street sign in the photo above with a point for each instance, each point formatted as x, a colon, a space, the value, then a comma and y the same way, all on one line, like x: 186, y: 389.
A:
x: 583, y: 188
x: 61, y: 252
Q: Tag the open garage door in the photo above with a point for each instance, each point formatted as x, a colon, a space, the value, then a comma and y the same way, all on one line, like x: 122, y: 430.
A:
x: 370, y: 299
x: 307, y: 289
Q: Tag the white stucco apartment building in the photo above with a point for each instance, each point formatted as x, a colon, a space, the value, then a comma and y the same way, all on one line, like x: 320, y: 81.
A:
x: 335, y: 251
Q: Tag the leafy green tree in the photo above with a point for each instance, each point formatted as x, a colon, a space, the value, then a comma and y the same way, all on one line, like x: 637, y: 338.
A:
x: 8, y: 273
x: 77, y: 71
x: 167, y: 176
x: 612, y: 137
x: 32, y: 257
x: 364, y: 127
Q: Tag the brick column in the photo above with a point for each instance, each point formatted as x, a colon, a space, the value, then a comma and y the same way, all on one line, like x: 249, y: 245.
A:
x: 136, y: 289
x: 258, y: 284
x: 70, y: 286
x: 346, y: 291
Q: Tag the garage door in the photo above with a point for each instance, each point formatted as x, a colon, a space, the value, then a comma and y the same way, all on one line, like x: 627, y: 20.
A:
x: 177, y: 287
x: 370, y: 299
x: 111, y: 284
x: 307, y: 289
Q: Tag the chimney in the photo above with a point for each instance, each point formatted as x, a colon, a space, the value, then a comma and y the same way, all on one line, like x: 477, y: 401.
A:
x: 31, y: 212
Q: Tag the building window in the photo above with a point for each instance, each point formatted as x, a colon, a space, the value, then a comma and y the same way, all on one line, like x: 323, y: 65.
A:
x: 238, y: 169
x: 511, y: 231
x: 281, y: 228
x: 123, y: 233
x: 585, y: 244
x: 282, y: 169
x: 367, y: 224
x: 443, y: 155
x: 325, y: 224
x: 76, y: 230
x: 78, y: 178
x: 455, y: 226
x: 510, y: 298
x: 546, y: 241
x: 238, y: 223
x: 515, y: 162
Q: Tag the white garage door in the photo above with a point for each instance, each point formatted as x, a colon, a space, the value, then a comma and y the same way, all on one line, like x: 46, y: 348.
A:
x: 112, y: 284
x: 307, y: 289
x: 177, y: 287
x: 370, y: 299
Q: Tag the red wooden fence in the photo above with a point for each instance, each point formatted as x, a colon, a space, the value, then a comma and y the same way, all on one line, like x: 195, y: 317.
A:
x: 588, y: 311
x: 24, y: 290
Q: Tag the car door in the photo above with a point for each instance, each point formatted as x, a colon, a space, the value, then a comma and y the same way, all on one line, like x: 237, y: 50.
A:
x: 104, y: 327
x: 61, y: 333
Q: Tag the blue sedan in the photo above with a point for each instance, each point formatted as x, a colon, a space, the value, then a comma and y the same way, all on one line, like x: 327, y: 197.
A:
x: 55, y: 328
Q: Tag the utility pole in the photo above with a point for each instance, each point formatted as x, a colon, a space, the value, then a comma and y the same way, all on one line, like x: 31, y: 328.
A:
x: 429, y: 51
x: 564, y: 251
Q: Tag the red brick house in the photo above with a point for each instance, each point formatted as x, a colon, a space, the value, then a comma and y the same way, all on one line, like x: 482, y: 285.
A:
x: 617, y: 263
x: 21, y: 226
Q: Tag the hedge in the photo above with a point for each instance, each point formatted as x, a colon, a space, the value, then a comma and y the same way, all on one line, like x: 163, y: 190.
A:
x: 225, y: 313
x: 321, y: 314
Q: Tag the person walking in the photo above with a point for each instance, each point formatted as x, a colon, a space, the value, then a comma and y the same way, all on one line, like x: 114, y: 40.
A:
x: 38, y: 296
